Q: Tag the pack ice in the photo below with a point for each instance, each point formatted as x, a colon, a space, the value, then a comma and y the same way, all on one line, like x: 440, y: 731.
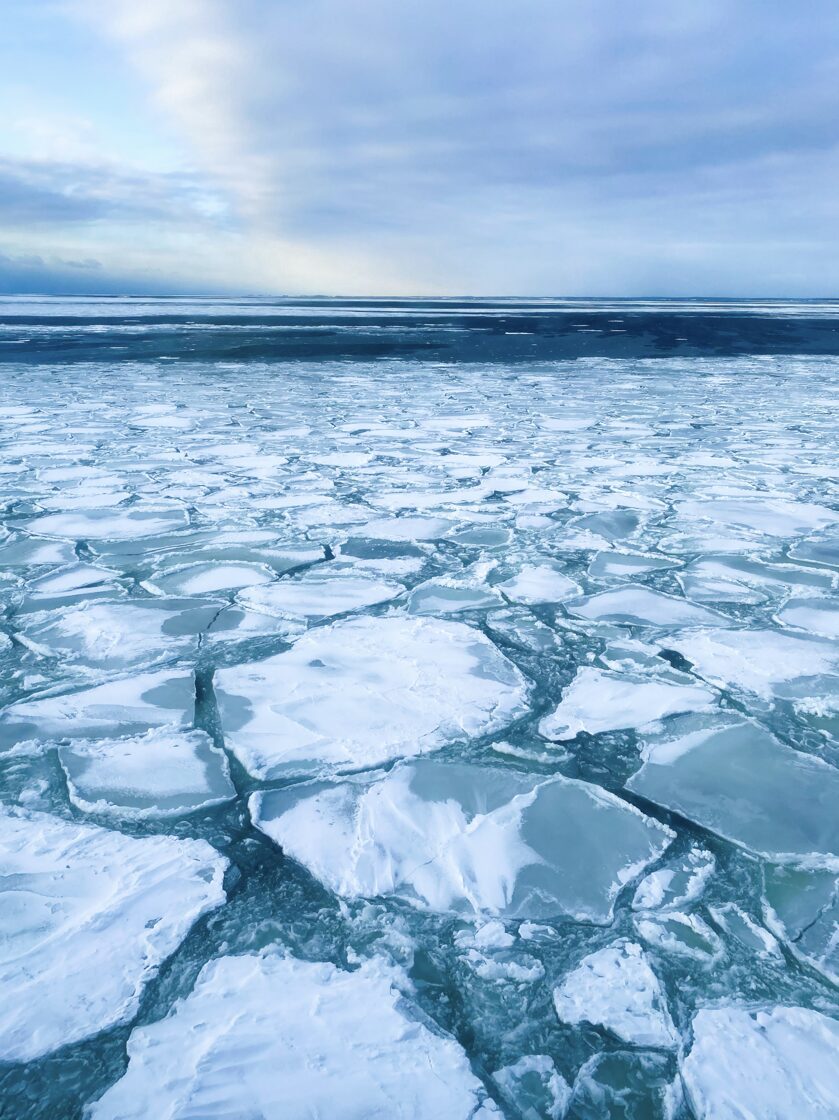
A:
x: 361, y: 692
x: 451, y: 836
x: 286, y: 1039
x: 87, y: 916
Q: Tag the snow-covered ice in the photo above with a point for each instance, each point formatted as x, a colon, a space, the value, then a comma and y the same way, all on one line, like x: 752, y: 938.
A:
x: 361, y: 692
x: 774, y: 1064
x: 473, y: 839
x: 119, y: 707
x: 163, y: 773
x: 617, y: 989
x: 87, y: 917
x: 598, y: 701
x: 287, y: 1039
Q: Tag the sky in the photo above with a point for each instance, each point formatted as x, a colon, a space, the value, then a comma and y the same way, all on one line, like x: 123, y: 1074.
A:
x: 441, y: 147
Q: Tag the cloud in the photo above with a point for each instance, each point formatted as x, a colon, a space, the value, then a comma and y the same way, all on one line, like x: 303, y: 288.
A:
x: 535, y: 145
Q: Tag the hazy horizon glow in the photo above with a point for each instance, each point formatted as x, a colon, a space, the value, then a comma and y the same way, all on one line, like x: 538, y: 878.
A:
x: 360, y: 147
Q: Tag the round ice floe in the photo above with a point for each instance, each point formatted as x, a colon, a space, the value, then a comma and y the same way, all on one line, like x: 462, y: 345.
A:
x: 363, y: 691
x: 111, y: 524
x: 286, y: 1039
x: 86, y: 917
x: 163, y: 773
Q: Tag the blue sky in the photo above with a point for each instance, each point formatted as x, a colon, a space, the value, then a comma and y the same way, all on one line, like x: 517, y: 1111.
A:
x: 557, y: 147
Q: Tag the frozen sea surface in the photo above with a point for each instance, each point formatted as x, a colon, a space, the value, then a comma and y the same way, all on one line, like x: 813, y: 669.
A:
x: 419, y: 708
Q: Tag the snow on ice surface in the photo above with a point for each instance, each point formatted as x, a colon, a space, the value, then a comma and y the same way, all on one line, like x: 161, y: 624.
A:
x: 639, y: 606
x: 87, y: 916
x: 162, y: 773
x: 646, y: 528
x: 475, y: 840
x: 287, y: 1039
x: 120, y: 707
x: 615, y: 988
x: 361, y: 692
x: 598, y: 701
x: 774, y: 1064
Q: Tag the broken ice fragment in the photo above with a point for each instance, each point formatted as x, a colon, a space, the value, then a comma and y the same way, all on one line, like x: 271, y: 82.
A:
x: 802, y: 908
x: 539, y: 583
x: 163, y: 773
x: 534, y: 1088
x: 639, y: 606
x: 598, y: 701
x: 121, y: 707
x: 681, y: 882
x: 304, y: 1039
x: 87, y: 916
x: 684, y: 935
x: 615, y: 988
x: 738, y: 781
x: 466, y: 838
x: 363, y: 691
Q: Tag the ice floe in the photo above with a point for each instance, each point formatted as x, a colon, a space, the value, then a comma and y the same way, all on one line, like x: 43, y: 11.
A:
x: 466, y: 838
x: 617, y: 989
x: 773, y: 1064
x: 598, y: 701
x: 163, y: 773
x: 737, y: 780
x: 87, y: 917
x: 119, y: 707
x: 539, y: 583
x: 640, y: 606
x: 363, y: 691
x: 755, y: 660
x: 304, y: 1039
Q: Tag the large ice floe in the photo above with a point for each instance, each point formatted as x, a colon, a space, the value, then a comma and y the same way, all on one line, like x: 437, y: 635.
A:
x: 737, y: 780
x: 286, y: 1039
x: 87, y: 917
x: 361, y: 692
x: 471, y: 839
x: 774, y: 1064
